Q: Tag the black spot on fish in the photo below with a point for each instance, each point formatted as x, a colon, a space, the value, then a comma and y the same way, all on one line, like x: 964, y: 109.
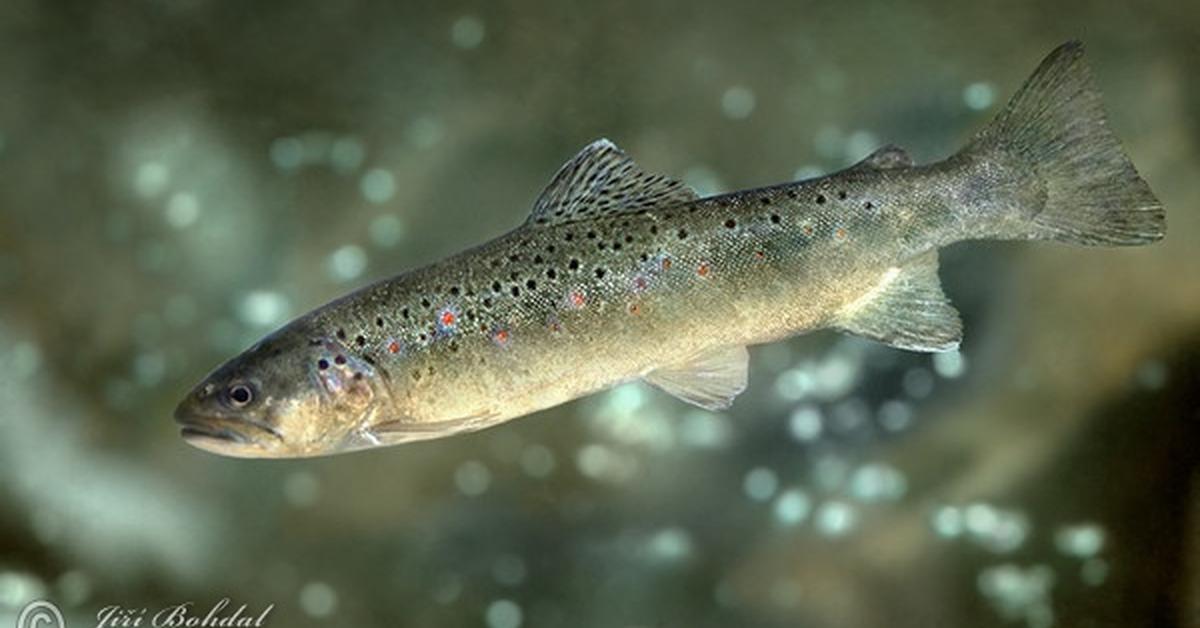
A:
x: 573, y: 264
x: 339, y: 359
x: 600, y: 273
x: 454, y: 291
x: 341, y: 334
x: 495, y: 286
x: 730, y: 223
x: 516, y: 291
x: 591, y: 235
x: 379, y: 321
x: 842, y: 195
x: 820, y: 199
x: 404, y: 313
x: 551, y: 273
x: 416, y: 375
x: 791, y: 193
x: 682, y: 233
x: 487, y: 302
x: 869, y: 205
x: 359, y: 340
x: 765, y: 200
x: 654, y: 229
x: 531, y: 284
x: 424, y: 302
x: 323, y: 364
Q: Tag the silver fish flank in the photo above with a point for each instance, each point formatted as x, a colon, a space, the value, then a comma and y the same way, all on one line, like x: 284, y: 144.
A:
x: 620, y: 274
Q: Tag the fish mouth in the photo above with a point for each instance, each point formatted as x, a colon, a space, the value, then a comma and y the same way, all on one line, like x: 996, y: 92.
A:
x: 197, y: 431
x: 224, y: 435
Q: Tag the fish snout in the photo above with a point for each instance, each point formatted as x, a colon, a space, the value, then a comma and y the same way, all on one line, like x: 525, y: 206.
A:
x: 220, y: 435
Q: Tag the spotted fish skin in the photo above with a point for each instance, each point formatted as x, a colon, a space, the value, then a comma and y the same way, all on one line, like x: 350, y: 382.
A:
x: 548, y: 313
x: 619, y: 275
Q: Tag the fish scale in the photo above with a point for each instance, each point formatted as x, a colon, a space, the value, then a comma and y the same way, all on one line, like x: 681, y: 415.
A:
x: 620, y: 274
x: 711, y: 258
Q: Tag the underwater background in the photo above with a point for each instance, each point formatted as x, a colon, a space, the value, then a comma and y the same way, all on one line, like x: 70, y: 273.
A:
x: 178, y: 177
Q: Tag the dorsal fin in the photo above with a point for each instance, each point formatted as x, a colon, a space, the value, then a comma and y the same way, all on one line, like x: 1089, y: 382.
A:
x: 885, y: 158
x: 602, y: 180
x: 906, y: 309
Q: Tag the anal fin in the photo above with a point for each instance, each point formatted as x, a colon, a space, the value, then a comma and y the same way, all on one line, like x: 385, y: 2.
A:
x: 906, y: 309
x: 710, y: 379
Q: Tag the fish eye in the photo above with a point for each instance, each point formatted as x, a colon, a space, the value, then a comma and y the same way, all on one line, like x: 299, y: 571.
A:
x: 240, y: 395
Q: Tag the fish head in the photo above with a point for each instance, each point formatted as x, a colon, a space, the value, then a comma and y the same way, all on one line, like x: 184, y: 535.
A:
x: 289, y: 396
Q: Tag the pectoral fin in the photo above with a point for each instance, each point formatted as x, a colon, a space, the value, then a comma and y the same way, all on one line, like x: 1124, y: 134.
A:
x: 710, y: 380
x: 406, y: 430
x: 906, y: 309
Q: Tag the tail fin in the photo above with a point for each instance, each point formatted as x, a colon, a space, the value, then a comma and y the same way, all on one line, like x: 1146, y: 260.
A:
x: 1055, y: 127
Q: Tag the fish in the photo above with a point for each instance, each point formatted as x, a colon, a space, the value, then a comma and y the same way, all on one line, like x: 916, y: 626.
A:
x: 620, y: 274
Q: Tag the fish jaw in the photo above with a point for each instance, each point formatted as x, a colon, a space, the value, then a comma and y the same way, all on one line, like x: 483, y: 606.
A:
x: 226, y: 436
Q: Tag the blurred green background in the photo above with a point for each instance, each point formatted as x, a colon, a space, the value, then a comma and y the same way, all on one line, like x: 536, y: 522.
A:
x: 178, y: 177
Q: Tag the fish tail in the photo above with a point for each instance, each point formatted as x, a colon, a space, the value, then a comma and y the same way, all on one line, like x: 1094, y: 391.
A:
x: 1084, y: 188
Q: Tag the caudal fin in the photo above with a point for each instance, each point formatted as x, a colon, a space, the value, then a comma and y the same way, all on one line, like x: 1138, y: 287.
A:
x: 1056, y: 129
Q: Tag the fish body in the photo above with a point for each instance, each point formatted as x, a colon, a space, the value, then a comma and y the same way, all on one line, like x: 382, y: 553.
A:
x: 619, y: 275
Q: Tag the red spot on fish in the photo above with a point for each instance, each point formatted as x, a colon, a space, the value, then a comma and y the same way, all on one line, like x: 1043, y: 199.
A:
x: 666, y: 263
x: 703, y: 269
x: 635, y: 309
x: 840, y: 233
x: 393, y: 347
x: 448, y: 318
x: 500, y: 337
x: 576, y: 299
x: 808, y: 230
x: 759, y: 254
x: 640, y: 283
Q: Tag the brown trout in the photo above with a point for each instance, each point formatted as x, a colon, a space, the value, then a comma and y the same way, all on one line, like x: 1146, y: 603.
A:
x: 619, y: 274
